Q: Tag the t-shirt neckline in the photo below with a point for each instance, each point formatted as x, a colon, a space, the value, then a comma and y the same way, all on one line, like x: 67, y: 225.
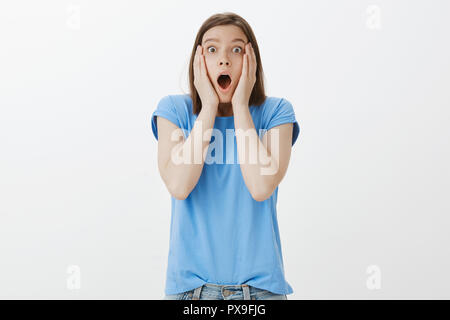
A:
x: 229, y: 117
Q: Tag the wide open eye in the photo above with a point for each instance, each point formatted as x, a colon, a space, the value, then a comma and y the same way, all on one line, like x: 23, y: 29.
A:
x: 210, y: 50
x: 239, y: 51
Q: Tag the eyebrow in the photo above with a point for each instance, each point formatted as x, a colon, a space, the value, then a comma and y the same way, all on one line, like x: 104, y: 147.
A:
x: 217, y: 40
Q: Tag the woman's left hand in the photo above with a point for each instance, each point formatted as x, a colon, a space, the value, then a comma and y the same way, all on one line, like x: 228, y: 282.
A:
x: 241, y: 95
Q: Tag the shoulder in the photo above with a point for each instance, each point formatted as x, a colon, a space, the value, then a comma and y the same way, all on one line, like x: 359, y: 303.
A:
x: 176, y: 106
x: 276, y: 102
x: 271, y: 103
x: 176, y: 101
x: 182, y: 100
x: 277, y: 111
x: 274, y: 106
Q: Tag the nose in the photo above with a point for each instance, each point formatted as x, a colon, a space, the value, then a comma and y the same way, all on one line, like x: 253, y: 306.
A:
x: 224, y: 61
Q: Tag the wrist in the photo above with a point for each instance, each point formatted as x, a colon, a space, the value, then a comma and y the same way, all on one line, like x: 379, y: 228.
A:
x: 210, y: 108
x: 240, y: 106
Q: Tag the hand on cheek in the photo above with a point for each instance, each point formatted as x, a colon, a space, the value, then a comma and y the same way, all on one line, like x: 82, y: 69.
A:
x: 202, y: 81
x: 241, y: 95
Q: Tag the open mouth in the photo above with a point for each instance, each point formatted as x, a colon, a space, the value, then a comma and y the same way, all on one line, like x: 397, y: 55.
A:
x: 224, y: 81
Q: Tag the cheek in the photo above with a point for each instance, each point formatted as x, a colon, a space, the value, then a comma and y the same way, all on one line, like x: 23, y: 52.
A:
x: 238, y: 64
x: 209, y: 64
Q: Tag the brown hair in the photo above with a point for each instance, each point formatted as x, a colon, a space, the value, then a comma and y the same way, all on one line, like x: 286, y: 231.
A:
x: 258, y: 95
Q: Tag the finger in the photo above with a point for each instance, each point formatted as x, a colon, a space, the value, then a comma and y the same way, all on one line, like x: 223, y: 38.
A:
x: 202, y: 64
x: 210, y: 80
x: 245, y: 65
x: 254, y: 64
x: 251, y: 61
x: 200, y: 59
x: 196, y: 62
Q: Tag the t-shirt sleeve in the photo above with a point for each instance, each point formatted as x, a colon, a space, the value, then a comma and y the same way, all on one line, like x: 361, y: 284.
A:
x: 166, y: 109
x: 282, y: 113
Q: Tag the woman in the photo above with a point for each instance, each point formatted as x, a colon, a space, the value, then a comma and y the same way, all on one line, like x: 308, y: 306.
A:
x: 233, y: 149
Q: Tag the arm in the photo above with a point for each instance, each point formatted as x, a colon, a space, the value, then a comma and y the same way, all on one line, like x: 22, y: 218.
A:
x: 272, y: 154
x: 181, y: 163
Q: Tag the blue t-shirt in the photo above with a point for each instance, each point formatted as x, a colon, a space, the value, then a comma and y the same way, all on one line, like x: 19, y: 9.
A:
x: 219, y: 234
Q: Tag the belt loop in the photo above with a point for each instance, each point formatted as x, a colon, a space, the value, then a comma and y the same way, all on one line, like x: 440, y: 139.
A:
x: 246, y: 290
x: 197, y: 292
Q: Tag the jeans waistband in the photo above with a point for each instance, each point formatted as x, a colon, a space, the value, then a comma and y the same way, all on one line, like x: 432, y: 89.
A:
x: 225, y: 285
x: 244, y: 287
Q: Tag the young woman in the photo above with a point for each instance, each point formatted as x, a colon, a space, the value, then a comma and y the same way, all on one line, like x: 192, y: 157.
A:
x: 222, y: 151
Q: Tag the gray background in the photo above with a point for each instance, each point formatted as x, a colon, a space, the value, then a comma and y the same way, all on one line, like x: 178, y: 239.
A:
x: 368, y: 182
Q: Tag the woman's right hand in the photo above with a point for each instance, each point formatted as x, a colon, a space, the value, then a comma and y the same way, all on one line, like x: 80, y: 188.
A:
x: 202, y: 83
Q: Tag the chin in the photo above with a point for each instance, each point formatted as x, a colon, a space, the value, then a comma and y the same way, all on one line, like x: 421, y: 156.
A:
x: 225, y: 97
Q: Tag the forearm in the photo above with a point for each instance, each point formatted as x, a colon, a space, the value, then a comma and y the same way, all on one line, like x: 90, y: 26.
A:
x: 257, y: 164
x: 187, y: 159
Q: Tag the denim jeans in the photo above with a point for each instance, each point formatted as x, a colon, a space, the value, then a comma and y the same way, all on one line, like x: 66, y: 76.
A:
x: 210, y: 291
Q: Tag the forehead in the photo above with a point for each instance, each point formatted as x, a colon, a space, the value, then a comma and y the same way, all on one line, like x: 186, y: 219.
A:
x: 226, y: 33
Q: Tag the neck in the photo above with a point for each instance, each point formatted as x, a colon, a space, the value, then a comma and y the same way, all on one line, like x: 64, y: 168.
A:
x: 225, y: 109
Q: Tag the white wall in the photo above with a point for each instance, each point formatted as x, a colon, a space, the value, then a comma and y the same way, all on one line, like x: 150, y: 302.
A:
x: 368, y: 180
